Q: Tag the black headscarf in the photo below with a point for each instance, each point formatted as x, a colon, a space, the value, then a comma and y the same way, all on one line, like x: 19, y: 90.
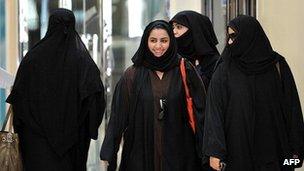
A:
x: 250, y: 90
x: 53, y: 81
x: 144, y: 56
x: 251, y: 49
x: 200, y: 40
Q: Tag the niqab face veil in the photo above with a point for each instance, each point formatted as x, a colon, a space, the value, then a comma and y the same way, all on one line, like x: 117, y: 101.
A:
x: 54, y: 79
x: 251, y: 49
x: 144, y: 56
x: 248, y: 90
x: 200, y: 40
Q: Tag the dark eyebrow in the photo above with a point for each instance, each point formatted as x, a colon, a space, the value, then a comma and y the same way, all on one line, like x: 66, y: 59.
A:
x: 160, y: 38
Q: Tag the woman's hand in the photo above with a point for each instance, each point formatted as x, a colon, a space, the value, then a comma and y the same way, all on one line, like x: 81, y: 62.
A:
x: 105, y: 163
x: 215, y: 163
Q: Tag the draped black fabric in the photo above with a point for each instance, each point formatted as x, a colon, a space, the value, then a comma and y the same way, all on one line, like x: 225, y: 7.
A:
x: 133, y: 118
x: 253, y: 115
x: 198, y: 43
x: 144, y: 56
x: 57, y: 93
x: 200, y: 40
x: 251, y: 49
x: 186, y: 45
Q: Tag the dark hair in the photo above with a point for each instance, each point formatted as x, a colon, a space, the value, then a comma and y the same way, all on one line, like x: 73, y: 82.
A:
x: 158, y: 26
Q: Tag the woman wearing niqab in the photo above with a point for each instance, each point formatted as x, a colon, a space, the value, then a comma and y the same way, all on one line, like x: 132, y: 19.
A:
x: 253, y: 114
x: 197, y: 43
x: 149, y: 111
x: 58, y: 99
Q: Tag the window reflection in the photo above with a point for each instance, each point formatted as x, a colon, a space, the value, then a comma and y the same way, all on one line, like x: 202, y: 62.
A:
x: 222, y: 11
x: 2, y: 58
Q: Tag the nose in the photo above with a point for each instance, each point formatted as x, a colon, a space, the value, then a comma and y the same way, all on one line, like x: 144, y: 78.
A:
x: 158, y: 45
x: 175, y: 31
x: 230, y: 41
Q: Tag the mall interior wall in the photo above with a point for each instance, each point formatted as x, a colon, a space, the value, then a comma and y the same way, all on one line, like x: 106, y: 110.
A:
x: 283, y: 23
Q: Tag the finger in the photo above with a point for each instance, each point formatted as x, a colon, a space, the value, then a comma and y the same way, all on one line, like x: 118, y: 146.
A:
x: 215, y: 167
x: 106, y: 163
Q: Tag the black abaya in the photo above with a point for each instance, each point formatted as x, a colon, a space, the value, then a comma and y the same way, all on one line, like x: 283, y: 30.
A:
x: 57, y: 99
x: 134, y: 112
x: 178, y: 146
x: 253, y: 114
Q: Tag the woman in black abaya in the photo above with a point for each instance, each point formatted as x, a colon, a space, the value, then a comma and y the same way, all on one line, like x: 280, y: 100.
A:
x: 149, y: 109
x: 253, y: 114
x: 196, y: 41
x: 58, y: 99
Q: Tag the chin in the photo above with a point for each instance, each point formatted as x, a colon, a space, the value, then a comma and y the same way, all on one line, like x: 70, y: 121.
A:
x: 158, y: 56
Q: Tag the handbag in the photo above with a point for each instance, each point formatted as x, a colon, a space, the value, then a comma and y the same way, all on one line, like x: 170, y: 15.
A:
x: 189, y: 101
x: 10, y: 157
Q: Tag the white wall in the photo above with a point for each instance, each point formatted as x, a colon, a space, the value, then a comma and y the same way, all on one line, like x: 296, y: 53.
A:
x: 181, y: 5
x: 284, y: 25
x: 11, y: 14
x: 283, y: 22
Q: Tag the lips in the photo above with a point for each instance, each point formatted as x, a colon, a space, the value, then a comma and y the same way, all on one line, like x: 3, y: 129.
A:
x: 158, y: 53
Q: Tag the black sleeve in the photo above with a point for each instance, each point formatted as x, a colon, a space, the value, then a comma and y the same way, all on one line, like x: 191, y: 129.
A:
x: 293, y: 116
x: 198, y: 94
x: 20, y: 87
x: 214, y: 135
x: 196, y: 86
x: 91, y: 94
x: 206, y: 71
x: 18, y: 97
x: 118, y: 121
x: 96, y: 112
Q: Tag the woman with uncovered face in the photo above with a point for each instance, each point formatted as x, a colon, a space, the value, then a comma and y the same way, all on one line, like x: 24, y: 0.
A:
x: 149, y: 109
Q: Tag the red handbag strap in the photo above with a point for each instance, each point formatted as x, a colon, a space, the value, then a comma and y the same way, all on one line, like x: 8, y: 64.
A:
x: 184, y: 77
x: 188, y: 97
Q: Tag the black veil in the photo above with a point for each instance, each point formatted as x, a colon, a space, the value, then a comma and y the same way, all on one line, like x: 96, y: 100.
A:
x: 54, y: 83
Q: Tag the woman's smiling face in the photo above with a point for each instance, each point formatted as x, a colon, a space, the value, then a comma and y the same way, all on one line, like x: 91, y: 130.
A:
x: 158, y: 42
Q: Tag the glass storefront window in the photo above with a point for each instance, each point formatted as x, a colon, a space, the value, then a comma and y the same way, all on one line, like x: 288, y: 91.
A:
x: 222, y: 11
x: 216, y: 11
x: 238, y: 7
x: 2, y: 58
